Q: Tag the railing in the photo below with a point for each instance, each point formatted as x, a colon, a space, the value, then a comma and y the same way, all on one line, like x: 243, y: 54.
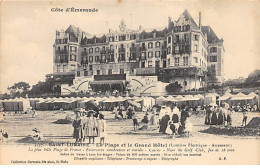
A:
x: 84, y: 53
x: 132, y: 49
x: 111, y: 50
x: 61, y: 41
x: 142, y: 48
x: 61, y: 52
x: 142, y: 57
x: 103, y: 52
x: 121, y: 49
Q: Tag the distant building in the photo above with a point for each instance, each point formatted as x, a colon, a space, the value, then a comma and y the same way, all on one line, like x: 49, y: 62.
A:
x: 138, y: 61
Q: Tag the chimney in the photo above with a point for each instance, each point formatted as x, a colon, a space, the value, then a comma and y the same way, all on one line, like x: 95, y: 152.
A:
x: 200, y: 20
x: 169, y: 21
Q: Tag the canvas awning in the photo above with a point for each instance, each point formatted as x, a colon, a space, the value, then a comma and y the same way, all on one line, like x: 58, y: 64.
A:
x: 242, y: 98
x: 106, y: 82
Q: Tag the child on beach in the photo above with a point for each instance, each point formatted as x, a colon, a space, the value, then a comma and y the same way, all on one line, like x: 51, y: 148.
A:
x: 135, y: 122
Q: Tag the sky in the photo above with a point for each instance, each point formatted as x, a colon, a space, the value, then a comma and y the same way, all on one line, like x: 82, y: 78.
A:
x: 28, y: 30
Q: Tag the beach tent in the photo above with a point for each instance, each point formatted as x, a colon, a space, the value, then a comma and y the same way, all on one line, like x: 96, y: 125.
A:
x: 160, y: 100
x: 243, y: 99
x: 148, y: 102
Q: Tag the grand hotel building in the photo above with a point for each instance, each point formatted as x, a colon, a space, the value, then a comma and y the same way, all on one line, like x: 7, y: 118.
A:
x: 139, y: 61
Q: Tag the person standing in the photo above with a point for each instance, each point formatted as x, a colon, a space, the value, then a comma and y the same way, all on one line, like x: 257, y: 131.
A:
x: 135, y: 122
x: 91, y: 125
x: 77, y: 134
x: 34, y: 114
x: 214, y: 119
x: 229, y: 117
x: 184, y: 115
x: 244, y: 110
x: 164, y: 122
x: 101, y: 129
x: 221, y: 117
x: 83, y: 122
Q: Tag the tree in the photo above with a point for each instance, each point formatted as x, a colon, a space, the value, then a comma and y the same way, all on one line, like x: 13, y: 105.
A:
x: 173, y: 87
x: 19, y: 89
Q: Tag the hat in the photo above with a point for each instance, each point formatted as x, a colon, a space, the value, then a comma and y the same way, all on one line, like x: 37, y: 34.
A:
x: 101, y: 116
x: 36, y: 130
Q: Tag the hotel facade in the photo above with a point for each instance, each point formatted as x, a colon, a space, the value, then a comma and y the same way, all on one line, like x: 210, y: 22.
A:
x: 138, y: 61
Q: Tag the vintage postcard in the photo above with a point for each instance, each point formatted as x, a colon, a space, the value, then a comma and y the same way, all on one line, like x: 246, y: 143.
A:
x: 130, y: 82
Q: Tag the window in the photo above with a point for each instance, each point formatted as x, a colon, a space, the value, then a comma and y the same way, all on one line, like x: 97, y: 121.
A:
x: 85, y: 49
x: 142, y: 64
x: 96, y: 58
x: 176, y: 61
x: 196, y: 37
x: 90, y: 67
x: 96, y: 49
x: 122, y: 71
x: 157, y: 44
x: 196, y: 47
x: 64, y: 68
x: 186, y: 37
x: 98, y: 72
x: 157, y: 53
x: 169, y: 61
x: 150, y: 45
x: 73, y: 67
x: 213, y: 49
x: 85, y: 73
x: 185, y: 60
x: 196, y: 59
x: 213, y: 58
x: 169, y: 40
x: 150, y: 54
x: 91, y: 50
x: 176, y: 49
x: 185, y: 83
x: 150, y: 63
x: 132, y: 71
x: 58, y: 68
x: 110, y: 72
x: 91, y: 59
x: 177, y: 38
x: 168, y: 50
x: 157, y: 64
x: 164, y: 64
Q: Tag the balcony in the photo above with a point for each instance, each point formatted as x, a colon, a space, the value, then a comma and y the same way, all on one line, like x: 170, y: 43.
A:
x: 111, y: 51
x: 102, y: 52
x: 84, y: 61
x: 61, y: 52
x: 84, y: 53
x: 121, y: 49
x: 142, y: 48
x: 63, y: 60
x: 146, y: 71
x: 143, y: 57
x: 61, y: 41
x: 132, y: 49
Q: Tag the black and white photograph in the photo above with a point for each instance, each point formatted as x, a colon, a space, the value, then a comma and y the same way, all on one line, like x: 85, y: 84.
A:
x: 129, y: 82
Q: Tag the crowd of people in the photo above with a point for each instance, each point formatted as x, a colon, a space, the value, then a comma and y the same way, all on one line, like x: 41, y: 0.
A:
x: 222, y: 115
x: 89, y: 125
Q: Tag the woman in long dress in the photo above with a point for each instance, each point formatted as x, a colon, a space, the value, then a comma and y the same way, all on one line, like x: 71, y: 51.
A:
x: 164, y: 122
x: 84, y: 122
x: 214, y: 119
x: 77, y: 134
x: 91, y: 127
x: 152, y: 119
x: 101, y: 128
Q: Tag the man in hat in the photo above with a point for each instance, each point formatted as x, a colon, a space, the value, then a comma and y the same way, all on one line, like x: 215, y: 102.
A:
x: 77, y: 124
